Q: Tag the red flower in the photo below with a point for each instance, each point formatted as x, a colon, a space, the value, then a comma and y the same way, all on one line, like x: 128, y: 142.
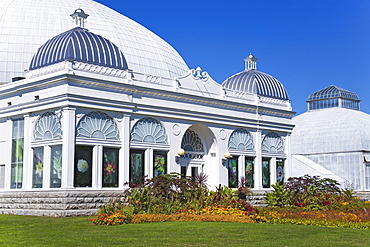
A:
x: 109, y: 168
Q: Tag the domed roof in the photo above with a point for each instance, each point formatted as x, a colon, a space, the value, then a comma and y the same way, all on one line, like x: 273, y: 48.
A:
x: 332, y: 92
x: 330, y: 130
x: 253, y: 81
x: 25, y: 25
x: 78, y: 44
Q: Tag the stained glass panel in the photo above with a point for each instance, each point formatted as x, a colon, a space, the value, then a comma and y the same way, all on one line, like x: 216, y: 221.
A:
x: 136, y: 166
x: 17, y: 154
x: 38, y: 167
x: 280, y: 171
x: 266, y: 173
x: 56, y: 167
x: 233, y: 172
x: 110, y: 167
x: 83, y: 166
x: 160, y: 163
x: 249, y: 171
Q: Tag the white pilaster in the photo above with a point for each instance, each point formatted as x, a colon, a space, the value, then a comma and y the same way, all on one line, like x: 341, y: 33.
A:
x: 258, y: 161
x: 47, y: 168
x: 27, y: 154
x: 124, y: 161
x: 8, y: 153
x: 148, y: 169
x: 288, y: 161
x: 241, y: 167
x: 272, y: 171
x: 97, y: 169
x: 68, y: 149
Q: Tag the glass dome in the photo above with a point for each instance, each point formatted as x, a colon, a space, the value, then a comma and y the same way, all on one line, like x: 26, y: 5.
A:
x: 333, y: 96
x: 255, y: 82
x: 25, y: 25
x: 78, y: 44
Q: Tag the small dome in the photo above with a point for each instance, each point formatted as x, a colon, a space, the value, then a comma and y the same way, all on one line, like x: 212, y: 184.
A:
x: 333, y: 96
x: 78, y: 44
x: 256, y: 82
x: 332, y: 92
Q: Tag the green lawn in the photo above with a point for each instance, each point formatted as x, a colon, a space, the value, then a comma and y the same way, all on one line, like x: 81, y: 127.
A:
x: 79, y: 231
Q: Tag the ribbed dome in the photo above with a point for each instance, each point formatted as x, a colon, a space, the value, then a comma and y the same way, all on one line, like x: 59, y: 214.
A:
x: 78, y: 44
x: 330, y: 130
x: 25, y: 25
x: 332, y: 92
x: 256, y: 82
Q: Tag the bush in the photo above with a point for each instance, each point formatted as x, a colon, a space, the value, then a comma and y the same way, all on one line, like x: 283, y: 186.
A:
x: 310, y: 193
x: 166, y: 194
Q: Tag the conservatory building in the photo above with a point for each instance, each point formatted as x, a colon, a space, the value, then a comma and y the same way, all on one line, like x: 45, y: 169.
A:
x: 332, y: 139
x: 87, y: 108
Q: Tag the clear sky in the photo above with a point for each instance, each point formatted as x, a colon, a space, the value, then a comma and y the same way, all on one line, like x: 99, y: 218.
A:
x: 306, y: 44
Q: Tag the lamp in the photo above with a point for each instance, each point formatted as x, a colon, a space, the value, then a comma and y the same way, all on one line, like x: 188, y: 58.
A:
x: 180, y: 151
x: 227, y: 155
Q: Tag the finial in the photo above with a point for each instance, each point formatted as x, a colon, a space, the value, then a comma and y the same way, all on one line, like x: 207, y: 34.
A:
x: 250, y: 62
x: 79, y: 17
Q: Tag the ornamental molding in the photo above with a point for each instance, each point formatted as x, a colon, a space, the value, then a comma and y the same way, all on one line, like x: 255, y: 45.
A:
x: 48, y: 69
x: 199, y: 74
x: 273, y: 101
x: 99, y: 69
x: 153, y: 79
x: 69, y: 66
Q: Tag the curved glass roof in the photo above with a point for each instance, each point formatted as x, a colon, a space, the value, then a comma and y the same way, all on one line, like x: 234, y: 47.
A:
x: 25, y: 25
x: 332, y: 92
x: 78, y: 44
x: 256, y: 82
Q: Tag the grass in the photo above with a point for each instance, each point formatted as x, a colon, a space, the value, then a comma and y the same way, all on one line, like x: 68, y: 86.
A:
x: 79, y: 231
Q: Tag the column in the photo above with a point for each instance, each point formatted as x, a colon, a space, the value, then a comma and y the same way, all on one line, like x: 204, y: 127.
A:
x: 258, y: 161
x: 272, y: 171
x: 8, y: 153
x: 124, y: 162
x: 288, y: 161
x: 97, y: 169
x: 148, y: 169
x: 47, y: 168
x: 27, y: 154
x: 68, y: 148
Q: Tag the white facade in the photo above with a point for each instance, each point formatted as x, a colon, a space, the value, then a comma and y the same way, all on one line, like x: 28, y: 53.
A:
x: 78, y: 123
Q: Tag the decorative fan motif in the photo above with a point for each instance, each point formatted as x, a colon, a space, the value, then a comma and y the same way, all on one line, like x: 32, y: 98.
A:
x: 191, y: 142
x: 272, y: 143
x: 98, y: 125
x: 241, y: 139
x: 149, y: 130
x: 47, y: 127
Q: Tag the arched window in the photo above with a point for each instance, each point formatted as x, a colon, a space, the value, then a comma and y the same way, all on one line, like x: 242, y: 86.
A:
x: 192, y: 145
x: 98, y: 125
x: 241, y: 139
x: 47, y: 127
x: 149, y: 130
x: 272, y: 143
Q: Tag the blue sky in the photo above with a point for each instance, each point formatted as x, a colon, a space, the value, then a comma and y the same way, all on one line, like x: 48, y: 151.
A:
x: 306, y: 44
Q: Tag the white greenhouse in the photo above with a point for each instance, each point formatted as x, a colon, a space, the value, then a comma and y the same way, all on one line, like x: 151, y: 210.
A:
x: 332, y: 139
x: 86, y: 107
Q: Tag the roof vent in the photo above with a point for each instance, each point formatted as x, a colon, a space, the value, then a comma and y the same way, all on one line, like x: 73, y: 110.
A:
x: 79, y: 17
x: 18, y: 78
